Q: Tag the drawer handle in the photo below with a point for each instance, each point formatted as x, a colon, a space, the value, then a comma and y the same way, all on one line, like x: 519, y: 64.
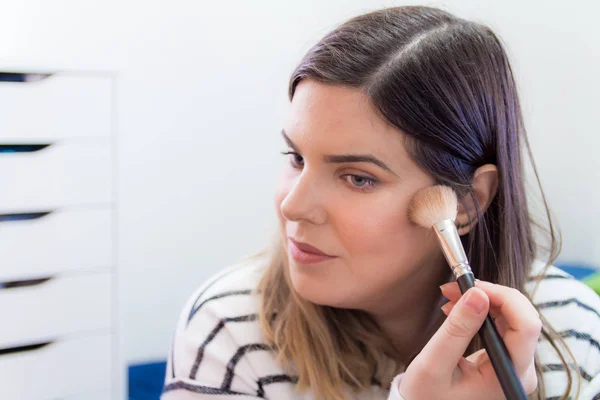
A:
x: 24, y: 283
x: 22, y: 77
x: 24, y: 349
x: 22, y: 148
x: 23, y: 216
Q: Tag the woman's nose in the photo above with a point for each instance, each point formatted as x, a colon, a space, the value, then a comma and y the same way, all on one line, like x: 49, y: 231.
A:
x: 304, y: 200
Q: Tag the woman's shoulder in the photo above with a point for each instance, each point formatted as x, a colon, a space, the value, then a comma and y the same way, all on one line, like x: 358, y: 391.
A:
x: 218, y: 344
x: 547, y: 282
x: 563, y: 299
x: 227, y: 297
x: 573, y: 311
x: 234, y: 285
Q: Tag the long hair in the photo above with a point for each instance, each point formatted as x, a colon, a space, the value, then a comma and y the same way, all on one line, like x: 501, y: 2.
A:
x: 448, y: 84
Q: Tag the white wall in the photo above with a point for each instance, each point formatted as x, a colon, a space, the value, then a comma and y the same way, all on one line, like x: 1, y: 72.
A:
x: 203, y: 94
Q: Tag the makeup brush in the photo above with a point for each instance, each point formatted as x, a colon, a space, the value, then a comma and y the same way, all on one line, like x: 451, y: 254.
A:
x: 436, y: 207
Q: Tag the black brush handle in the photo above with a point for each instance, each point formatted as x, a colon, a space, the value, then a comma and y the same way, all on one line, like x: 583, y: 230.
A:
x: 496, y: 350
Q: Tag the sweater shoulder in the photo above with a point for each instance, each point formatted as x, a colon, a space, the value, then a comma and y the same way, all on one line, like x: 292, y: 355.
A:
x: 572, y: 310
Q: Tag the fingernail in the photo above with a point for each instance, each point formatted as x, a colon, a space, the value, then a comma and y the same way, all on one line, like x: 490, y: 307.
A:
x: 445, y: 308
x: 445, y: 286
x: 475, y: 300
x: 483, y: 283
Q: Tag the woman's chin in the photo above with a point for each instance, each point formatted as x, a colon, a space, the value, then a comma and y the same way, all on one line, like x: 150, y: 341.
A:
x: 323, y: 292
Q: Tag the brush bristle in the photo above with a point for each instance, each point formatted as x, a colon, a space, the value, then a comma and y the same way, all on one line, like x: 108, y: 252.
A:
x: 432, y: 205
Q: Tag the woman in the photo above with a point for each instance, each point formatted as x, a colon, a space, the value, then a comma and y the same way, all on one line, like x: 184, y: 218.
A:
x: 346, y: 303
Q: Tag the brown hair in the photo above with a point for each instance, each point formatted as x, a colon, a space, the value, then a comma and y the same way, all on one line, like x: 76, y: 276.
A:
x: 447, y: 83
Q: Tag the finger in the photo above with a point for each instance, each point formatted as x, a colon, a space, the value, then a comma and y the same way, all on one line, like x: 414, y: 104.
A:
x: 446, y: 308
x: 447, y: 346
x: 452, y: 292
x: 479, y: 357
x: 519, y: 320
x: 494, y: 312
x: 518, y: 316
x: 499, y: 321
x: 501, y: 325
x: 466, y: 367
x: 530, y: 380
x: 511, y: 304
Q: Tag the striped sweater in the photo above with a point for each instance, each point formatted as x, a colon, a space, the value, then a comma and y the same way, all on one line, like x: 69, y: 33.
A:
x: 218, y: 350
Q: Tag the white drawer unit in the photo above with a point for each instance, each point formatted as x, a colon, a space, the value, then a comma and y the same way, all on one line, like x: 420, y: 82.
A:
x: 54, y: 307
x: 53, y: 106
x: 47, y: 242
x: 57, y: 369
x: 58, y: 276
x: 64, y: 173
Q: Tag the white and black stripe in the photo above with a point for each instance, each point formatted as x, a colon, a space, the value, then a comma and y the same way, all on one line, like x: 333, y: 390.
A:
x: 580, y: 336
x: 547, y: 276
x: 242, y: 351
x: 216, y: 297
x: 198, y: 388
x: 221, y: 320
x: 566, y: 302
x: 268, y: 380
x: 215, y: 332
x: 195, y: 308
x: 561, y: 367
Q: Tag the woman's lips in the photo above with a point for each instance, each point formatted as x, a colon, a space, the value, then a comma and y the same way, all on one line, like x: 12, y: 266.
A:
x: 306, y: 254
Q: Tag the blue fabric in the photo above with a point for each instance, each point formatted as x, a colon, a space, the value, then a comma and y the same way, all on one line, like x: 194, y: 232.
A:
x: 579, y: 271
x: 146, y: 380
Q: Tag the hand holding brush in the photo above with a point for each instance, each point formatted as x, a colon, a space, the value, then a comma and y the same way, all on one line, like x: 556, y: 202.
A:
x: 505, y: 368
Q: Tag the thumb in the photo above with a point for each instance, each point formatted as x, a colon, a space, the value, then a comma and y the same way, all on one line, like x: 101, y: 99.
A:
x: 449, y: 343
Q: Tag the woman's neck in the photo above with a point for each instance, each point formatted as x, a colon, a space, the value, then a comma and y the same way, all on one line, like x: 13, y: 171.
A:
x: 411, y: 314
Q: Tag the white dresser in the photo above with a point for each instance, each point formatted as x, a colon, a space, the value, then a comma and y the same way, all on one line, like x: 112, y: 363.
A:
x: 58, y: 308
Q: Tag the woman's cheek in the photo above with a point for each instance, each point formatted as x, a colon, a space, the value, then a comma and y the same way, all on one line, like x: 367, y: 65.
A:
x: 369, y: 228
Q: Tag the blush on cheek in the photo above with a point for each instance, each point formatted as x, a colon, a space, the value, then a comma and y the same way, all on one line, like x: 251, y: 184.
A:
x: 382, y: 238
x: 371, y: 224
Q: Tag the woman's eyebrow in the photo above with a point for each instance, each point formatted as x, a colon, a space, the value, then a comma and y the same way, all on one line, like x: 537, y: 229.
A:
x: 343, y: 158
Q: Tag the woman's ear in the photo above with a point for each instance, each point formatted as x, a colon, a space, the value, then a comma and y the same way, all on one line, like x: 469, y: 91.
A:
x: 485, y: 187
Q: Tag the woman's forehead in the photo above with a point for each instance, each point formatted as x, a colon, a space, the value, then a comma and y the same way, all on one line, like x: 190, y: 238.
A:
x: 339, y: 119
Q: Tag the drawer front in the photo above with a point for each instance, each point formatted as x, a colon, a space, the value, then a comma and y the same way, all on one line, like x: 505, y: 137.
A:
x: 59, y: 106
x: 47, y: 243
x: 62, y: 369
x: 65, y: 173
x: 48, y: 310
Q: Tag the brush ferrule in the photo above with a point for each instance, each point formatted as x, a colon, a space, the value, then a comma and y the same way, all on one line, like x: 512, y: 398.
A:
x: 452, y: 247
x: 461, y: 269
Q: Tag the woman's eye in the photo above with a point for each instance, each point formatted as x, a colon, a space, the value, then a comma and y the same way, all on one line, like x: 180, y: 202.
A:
x: 360, y: 182
x: 296, y: 159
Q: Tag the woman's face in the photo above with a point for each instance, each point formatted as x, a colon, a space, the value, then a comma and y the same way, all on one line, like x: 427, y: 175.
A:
x: 346, y: 190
